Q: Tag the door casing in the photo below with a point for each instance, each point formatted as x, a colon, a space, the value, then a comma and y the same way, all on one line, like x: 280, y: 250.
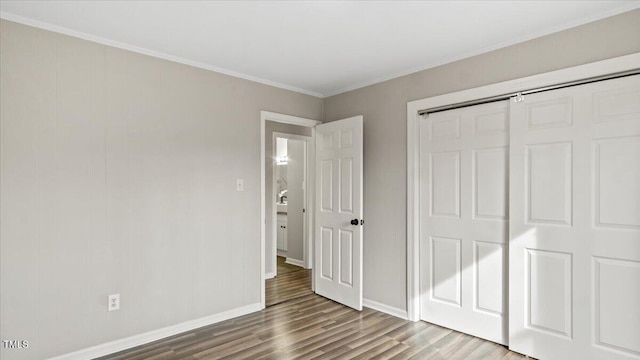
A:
x: 293, y: 120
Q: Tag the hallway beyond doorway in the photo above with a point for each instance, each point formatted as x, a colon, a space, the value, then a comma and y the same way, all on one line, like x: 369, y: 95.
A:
x: 291, y: 282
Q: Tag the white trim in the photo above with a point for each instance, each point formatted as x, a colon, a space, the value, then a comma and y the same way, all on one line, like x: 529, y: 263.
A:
x: 269, y: 275
x: 295, y: 262
x: 274, y: 211
x: 150, y: 336
x: 149, y: 52
x: 402, y: 314
x: 599, y: 68
x: 78, y: 34
x: 413, y: 215
x: 62, y: 30
x: 287, y: 119
x: 282, y: 253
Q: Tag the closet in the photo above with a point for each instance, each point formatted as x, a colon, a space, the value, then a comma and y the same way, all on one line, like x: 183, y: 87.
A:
x: 530, y: 221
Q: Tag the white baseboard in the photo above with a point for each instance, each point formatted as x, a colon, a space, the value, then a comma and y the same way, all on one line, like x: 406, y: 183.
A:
x: 144, y: 338
x: 282, y: 253
x: 269, y: 275
x: 402, y: 314
x: 295, y: 262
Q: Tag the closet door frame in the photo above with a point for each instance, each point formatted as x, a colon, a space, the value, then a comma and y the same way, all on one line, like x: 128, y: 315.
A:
x: 604, y: 67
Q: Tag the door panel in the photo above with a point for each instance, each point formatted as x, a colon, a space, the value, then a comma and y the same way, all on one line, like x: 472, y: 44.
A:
x: 616, y: 190
x: 326, y: 253
x: 549, y: 291
x: 346, y: 257
x: 614, y: 283
x: 326, y: 185
x: 464, y: 198
x: 445, y: 184
x: 490, y: 176
x: 339, y: 243
x: 489, y: 270
x: 446, y: 270
x: 548, y: 183
x: 574, y: 270
x: 346, y: 185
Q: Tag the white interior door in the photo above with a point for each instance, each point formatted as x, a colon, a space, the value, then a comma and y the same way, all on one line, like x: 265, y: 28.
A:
x: 574, y: 274
x: 464, y: 161
x: 338, y: 236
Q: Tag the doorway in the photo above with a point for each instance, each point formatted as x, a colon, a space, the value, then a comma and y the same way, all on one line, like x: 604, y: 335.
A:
x: 289, y: 221
x: 289, y: 217
x: 337, y: 200
x: 290, y: 275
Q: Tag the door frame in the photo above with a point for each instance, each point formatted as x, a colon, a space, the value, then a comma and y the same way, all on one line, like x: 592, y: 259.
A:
x: 293, y: 120
x: 306, y: 244
x: 604, y: 67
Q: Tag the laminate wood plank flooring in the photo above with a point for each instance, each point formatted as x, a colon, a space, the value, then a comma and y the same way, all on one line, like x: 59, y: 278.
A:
x: 290, y: 283
x: 297, y: 324
x: 313, y: 327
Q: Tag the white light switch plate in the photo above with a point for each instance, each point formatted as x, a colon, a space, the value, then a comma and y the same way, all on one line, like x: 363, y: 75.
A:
x: 240, y: 185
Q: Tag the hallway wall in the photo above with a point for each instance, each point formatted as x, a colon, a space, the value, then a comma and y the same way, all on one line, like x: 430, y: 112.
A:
x: 295, y: 200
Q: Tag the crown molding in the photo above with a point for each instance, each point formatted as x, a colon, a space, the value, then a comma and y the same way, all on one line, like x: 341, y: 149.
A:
x: 149, y: 52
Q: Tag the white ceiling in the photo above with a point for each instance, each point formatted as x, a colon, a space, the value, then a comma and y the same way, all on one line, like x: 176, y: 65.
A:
x: 315, y: 47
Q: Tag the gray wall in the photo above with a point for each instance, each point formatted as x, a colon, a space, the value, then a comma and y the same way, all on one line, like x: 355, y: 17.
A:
x: 384, y: 108
x: 270, y: 197
x: 295, y: 200
x: 118, y: 175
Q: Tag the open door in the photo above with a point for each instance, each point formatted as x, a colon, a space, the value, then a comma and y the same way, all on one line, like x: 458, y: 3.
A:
x: 338, y: 234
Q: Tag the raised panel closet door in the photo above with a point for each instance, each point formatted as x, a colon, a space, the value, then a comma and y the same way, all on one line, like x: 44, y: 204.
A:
x: 574, y: 271
x: 464, y: 160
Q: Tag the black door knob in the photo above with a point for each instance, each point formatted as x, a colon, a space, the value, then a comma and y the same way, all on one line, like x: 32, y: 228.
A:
x: 355, y: 222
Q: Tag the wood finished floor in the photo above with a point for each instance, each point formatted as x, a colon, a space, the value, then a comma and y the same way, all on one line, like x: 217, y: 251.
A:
x: 291, y: 282
x: 302, y: 325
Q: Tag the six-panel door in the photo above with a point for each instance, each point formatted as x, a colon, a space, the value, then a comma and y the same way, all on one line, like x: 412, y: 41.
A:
x: 464, y: 219
x: 338, y: 242
x: 574, y: 273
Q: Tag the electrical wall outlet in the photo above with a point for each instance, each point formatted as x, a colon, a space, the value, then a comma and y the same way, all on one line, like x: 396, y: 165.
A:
x: 240, y: 185
x: 114, y: 302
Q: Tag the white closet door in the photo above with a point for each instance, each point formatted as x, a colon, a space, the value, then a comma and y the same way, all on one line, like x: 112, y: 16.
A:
x: 574, y: 273
x: 464, y: 228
